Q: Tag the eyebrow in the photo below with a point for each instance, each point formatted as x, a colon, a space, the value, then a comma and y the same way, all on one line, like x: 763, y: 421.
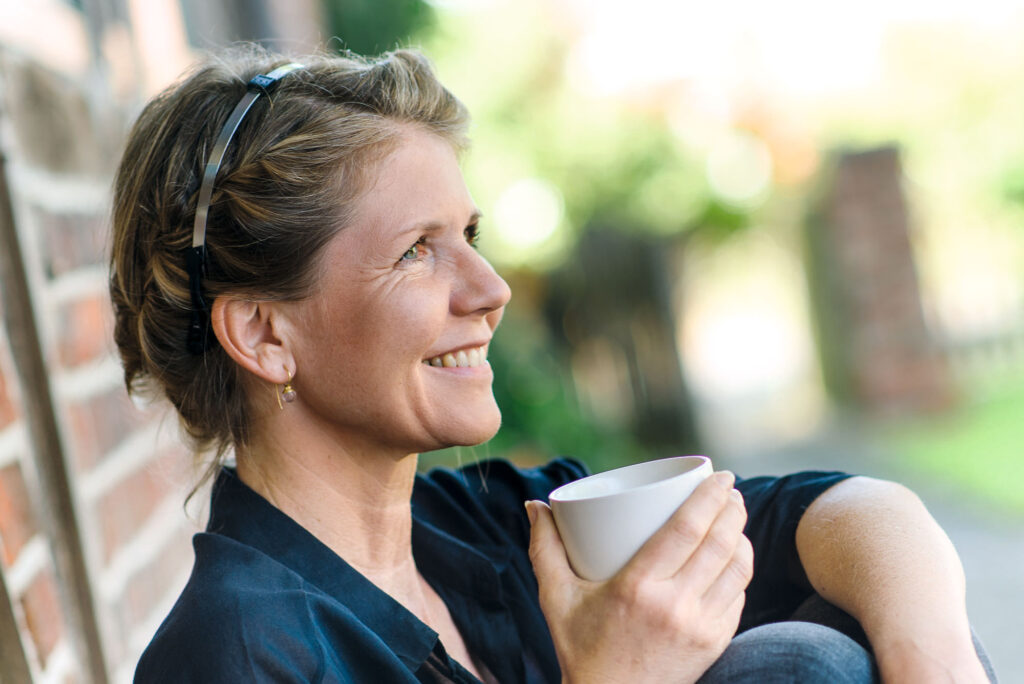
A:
x: 431, y: 225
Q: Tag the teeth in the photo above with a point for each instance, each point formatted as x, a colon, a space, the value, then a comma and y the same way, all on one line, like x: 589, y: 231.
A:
x: 464, y: 358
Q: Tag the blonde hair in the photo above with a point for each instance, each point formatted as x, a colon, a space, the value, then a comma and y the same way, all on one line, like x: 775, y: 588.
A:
x: 288, y: 183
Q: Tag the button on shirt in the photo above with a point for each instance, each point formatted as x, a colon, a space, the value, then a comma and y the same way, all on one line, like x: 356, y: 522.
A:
x: 267, y: 601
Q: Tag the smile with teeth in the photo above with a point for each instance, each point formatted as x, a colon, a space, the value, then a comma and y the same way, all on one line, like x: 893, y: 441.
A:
x: 464, y: 358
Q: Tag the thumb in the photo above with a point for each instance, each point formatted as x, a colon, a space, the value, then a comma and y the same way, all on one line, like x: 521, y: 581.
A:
x: 546, y: 551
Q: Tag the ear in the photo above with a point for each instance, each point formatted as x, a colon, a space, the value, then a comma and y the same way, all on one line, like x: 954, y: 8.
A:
x: 250, y: 332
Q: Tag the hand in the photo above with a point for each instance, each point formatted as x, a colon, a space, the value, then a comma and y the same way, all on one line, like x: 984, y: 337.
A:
x: 667, y: 615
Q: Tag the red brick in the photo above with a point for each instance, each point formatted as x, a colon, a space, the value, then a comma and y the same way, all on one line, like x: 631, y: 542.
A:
x: 84, y: 330
x: 43, y: 614
x: 99, y: 424
x: 125, y: 507
x: 8, y: 408
x: 71, y: 240
x: 17, y: 523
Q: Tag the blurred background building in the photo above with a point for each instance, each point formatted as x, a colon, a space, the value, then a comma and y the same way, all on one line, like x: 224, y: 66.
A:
x: 786, y: 235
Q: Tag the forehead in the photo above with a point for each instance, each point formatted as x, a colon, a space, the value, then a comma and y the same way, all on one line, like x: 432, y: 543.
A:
x: 418, y: 181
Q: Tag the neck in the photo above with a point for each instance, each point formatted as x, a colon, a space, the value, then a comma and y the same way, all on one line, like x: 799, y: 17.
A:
x: 354, y: 501
x: 353, y: 496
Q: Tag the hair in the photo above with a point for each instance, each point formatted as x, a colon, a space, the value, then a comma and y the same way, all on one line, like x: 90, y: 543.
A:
x: 289, y: 182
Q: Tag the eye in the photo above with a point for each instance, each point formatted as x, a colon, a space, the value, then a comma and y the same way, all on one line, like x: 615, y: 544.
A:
x: 413, y: 252
x: 472, y: 233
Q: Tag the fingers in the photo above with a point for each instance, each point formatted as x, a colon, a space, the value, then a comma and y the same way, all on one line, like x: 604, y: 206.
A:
x: 722, y: 557
x: 672, y: 545
x: 547, y: 554
x: 732, y: 581
x: 731, y: 617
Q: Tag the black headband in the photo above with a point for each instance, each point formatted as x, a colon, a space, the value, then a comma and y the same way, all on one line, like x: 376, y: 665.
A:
x: 195, y: 257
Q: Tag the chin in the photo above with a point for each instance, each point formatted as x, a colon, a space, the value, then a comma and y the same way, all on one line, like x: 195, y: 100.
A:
x: 476, y: 431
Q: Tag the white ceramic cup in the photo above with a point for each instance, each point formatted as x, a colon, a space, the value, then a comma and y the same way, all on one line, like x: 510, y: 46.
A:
x: 604, y: 519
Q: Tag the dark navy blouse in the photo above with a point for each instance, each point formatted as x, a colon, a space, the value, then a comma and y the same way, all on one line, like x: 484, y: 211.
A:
x: 268, y: 602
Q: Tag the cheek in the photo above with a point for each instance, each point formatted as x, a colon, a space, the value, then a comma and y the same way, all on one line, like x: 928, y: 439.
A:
x: 405, y: 323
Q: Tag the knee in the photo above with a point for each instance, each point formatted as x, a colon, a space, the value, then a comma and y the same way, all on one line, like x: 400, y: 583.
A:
x: 793, y: 652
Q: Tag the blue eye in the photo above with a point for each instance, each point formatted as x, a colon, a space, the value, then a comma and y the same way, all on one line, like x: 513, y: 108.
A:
x: 413, y: 252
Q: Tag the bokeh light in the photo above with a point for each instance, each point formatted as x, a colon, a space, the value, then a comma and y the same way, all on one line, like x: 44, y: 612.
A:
x: 739, y: 169
x: 527, y: 217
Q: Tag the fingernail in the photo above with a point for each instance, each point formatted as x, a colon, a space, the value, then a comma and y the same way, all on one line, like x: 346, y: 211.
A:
x: 725, y: 478
x: 531, y: 512
x: 735, y: 493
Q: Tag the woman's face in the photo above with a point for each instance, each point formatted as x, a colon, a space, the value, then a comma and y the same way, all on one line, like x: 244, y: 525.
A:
x: 391, y: 349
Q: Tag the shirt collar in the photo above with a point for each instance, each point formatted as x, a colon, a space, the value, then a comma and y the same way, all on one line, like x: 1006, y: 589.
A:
x: 238, y: 512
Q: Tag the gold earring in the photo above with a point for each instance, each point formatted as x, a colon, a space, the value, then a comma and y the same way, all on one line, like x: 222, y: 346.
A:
x: 288, y: 392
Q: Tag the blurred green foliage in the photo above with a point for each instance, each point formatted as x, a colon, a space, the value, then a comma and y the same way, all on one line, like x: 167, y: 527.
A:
x: 943, y: 96
x: 617, y: 163
x: 615, y: 166
x: 372, y: 26
x: 527, y: 125
x: 980, y: 446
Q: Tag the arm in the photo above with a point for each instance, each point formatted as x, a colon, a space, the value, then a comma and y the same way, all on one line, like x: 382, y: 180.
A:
x: 871, y: 548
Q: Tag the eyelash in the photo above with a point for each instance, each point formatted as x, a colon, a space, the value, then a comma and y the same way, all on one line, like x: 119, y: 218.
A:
x: 414, y: 250
x: 472, y: 233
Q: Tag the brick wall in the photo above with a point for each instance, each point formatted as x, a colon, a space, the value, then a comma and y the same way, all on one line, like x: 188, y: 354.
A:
x: 128, y: 471
x: 27, y: 570
x: 70, y: 83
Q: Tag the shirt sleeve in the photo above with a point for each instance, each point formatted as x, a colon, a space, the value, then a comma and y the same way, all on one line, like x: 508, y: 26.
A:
x: 774, y: 508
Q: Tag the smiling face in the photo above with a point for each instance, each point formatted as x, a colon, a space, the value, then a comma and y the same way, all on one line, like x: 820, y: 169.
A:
x: 390, y: 350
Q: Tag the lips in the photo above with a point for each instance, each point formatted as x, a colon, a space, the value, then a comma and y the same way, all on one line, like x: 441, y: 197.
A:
x: 469, y: 357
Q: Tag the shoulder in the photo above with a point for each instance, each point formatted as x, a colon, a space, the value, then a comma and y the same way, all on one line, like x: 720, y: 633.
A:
x: 788, y: 495
x: 242, y: 615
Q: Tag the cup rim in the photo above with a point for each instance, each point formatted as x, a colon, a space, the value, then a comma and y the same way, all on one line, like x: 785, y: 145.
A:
x: 555, y: 497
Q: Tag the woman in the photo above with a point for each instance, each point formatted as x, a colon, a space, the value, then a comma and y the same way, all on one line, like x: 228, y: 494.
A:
x: 306, y: 292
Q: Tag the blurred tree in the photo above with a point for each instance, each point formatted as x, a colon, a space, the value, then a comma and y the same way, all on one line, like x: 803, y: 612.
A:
x: 614, y: 306
x: 373, y: 26
x: 606, y: 294
x: 615, y: 164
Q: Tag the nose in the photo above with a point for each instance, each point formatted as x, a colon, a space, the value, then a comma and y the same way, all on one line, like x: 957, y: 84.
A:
x: 478, y: 288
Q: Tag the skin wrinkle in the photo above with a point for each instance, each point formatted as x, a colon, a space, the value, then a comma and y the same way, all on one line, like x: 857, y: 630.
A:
x: 378, y: 286
x: 295, y: 269
x: 384, y: 272
x: 301, y: 158
x: 341, y: 459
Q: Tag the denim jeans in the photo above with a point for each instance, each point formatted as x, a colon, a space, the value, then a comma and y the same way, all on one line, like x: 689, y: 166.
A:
x: 819, y: 644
